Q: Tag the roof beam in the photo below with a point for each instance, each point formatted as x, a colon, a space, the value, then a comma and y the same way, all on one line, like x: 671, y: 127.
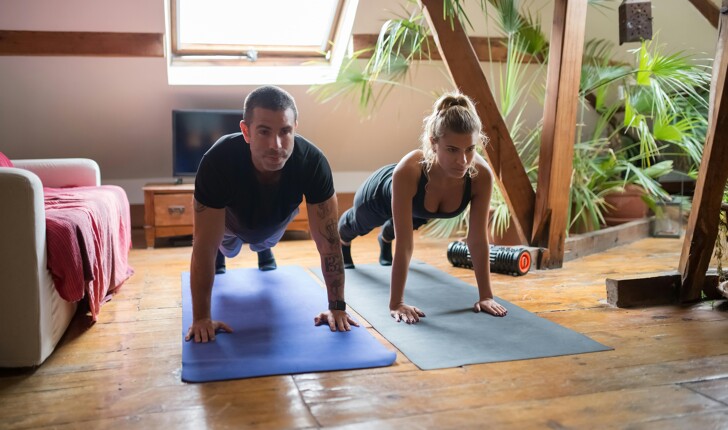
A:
x: 490, y: 49
x: 702, y: 227
x: 81, y: 43
x: 708, y: 9
x: 467, y: 74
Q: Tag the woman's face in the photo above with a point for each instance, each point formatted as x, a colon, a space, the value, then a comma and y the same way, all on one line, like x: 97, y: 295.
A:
x: 454, y: 152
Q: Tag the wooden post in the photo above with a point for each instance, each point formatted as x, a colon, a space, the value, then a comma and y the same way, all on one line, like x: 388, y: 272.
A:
x: 559, y: 128
x: 465, y: 70
x: 708, y: 9
x: 702, y: 227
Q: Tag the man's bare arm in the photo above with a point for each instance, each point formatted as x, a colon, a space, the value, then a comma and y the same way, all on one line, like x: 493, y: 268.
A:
x: 209, y: 227
x: 322, y: 220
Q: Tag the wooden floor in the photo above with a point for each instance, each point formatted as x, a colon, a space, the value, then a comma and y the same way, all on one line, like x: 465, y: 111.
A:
x: 668, y: 369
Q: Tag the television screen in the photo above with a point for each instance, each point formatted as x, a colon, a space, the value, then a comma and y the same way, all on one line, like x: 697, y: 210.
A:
x: 195, y: 131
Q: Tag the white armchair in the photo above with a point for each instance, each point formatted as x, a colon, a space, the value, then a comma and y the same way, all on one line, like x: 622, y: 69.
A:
x: 33, y: 316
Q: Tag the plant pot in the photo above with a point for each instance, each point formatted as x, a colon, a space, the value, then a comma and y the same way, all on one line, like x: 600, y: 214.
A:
x: 625, y: 206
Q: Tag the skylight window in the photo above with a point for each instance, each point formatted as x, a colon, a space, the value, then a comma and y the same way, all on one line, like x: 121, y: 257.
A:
x: 255, y: 30
x: 282, y: 25
x: 255, y: 42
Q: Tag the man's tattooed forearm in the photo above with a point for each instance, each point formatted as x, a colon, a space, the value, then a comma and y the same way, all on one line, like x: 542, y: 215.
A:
x: 323, y: 210
x: 331, y: 232
x: 332, y: 263
x: 335, y: 289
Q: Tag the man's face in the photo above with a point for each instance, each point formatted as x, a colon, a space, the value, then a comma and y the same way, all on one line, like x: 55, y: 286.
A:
x: 270, y: 136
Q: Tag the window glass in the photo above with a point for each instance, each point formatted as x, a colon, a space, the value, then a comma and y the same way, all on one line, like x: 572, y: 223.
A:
x: 275, y: 25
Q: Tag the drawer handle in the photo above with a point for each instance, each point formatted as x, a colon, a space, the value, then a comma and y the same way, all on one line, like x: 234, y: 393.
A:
x: 176, y: 210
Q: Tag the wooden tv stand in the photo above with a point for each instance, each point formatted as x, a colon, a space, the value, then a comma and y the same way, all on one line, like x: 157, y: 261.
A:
x: 168, y: 212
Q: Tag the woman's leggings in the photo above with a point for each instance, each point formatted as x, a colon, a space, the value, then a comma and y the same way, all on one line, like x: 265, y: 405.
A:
x: 372, y: 208
x: 361, y: 219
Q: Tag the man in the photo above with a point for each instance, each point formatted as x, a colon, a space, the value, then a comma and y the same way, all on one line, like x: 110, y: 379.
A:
x: 248, y: 188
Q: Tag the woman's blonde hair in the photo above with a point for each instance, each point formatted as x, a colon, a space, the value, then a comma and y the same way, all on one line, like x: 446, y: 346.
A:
x: 453, y: 112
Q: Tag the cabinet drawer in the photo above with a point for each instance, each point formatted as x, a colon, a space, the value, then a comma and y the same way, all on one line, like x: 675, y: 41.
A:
x: 173, y: 209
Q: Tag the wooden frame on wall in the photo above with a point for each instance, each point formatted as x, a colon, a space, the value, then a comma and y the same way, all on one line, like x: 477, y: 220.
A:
x: 81, y: 43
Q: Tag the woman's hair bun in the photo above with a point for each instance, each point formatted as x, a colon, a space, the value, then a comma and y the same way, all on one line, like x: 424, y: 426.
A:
x: 451, y: 101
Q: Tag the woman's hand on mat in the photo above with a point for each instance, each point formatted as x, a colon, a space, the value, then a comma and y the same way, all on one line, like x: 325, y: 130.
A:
x: 204, y: 330
x: 406, y: 313
x: 336, y: 320
x: 490, y: 306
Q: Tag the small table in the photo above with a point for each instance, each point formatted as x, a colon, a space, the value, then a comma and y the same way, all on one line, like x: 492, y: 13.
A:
x: 168, y: 212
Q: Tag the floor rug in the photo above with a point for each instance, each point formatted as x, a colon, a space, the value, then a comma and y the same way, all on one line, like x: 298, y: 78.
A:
x: 271, y: 314
x: 452, y: 334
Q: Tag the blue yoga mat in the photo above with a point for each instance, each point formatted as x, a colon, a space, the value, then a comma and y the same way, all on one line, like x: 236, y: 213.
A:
x: 452, y: 334
x: 272, y: 314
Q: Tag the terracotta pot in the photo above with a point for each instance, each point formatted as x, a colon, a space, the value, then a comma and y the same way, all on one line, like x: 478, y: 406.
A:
x: 625, y: 206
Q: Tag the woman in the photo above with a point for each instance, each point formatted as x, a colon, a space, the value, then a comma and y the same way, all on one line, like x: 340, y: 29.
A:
x: 436, y: 181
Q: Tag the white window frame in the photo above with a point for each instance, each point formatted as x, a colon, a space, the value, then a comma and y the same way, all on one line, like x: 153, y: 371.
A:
x: 225, y: 65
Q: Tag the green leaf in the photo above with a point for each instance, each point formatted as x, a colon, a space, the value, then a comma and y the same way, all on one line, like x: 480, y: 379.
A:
x: 629, y: 114
x: 643, y: 75
x: 666, y: 132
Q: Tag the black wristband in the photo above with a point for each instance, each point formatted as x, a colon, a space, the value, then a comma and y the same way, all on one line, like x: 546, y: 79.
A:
x: 337, y: 305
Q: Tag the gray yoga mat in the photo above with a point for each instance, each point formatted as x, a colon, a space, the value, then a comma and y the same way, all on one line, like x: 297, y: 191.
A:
x: 452, y: 334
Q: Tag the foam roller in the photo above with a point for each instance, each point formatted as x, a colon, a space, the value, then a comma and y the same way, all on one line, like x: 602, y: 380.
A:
x: 507, y: 260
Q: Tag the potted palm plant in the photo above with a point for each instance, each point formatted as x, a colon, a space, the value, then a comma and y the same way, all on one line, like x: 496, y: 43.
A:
x: 631, y: 133
x: 403, y: 39
x: 659, y: 118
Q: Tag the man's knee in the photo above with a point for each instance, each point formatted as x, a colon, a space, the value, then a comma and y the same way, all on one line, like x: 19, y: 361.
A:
x: 230, y: 246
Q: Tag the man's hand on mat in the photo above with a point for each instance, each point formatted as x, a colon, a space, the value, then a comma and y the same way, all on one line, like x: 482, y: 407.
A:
x: 406, y: 313
x: 204, y: 330
x: 336, y: 319
x: 490, y: 306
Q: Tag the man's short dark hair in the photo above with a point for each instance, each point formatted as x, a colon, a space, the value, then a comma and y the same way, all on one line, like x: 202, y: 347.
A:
x: 271, y: 98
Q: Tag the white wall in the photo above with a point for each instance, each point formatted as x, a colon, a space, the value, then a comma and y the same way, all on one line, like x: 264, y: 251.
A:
x: 118, y: 110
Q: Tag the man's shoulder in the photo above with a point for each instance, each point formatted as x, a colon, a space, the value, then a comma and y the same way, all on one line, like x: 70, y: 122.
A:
x: 306, y: 149
x: 228, y: 141
x: 227, y: 147
x: 305, y: 144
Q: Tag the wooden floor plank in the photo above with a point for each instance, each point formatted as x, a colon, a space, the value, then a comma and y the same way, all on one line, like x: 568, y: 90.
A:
x: 669, y: 368
x: 716, y: 389
x: 337, y: 401
x: 700, y: 420
x: 616, y: 409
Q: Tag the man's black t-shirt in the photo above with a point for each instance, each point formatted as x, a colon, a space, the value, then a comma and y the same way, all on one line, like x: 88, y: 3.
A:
x: 254, y: 211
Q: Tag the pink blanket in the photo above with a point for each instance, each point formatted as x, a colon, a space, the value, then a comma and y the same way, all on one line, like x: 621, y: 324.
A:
x: 88, y: 236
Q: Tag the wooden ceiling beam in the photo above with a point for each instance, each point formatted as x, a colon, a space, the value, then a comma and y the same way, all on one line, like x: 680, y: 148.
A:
x: 467, y: 74
x: 81, y: 43
x: 492, y: 49
x: 708, y: 9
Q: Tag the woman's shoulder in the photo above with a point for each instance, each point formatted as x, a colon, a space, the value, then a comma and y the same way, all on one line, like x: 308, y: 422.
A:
x: 484, y: 172
x: 411, y: 162
x: 408, y: 170
x: 483, y: 178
